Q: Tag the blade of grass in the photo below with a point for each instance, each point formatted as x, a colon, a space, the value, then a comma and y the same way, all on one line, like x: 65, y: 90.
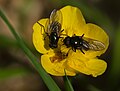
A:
x: 52, y: 86
x: 68, y: 85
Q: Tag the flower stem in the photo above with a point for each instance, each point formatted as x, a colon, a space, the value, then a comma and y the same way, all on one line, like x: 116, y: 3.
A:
x: 68, y: 85
x: 52, y: 86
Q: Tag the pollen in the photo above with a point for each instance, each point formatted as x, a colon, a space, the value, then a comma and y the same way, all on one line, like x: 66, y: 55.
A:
x: 57, y: 57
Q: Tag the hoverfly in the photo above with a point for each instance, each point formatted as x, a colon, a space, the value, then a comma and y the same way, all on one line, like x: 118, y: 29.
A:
x: 82, y: 43
x: 53, y: 28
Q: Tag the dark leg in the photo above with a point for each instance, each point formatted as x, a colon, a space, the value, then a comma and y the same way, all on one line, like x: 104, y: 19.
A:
x: 68, y: 52
x: 41, y: 26
x: 45, y: 37
x: 74, y: 35
x: 64, y: 34
x: 82, y: 36
x: 82, y: 50
x: 44, y: 30
x: 74, y: 49
x: 62, y: 38
x: 62, y: 30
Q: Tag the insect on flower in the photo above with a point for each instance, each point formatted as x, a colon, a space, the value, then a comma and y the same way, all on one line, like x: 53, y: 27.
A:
x: 79, y: 36
x: 81, y: 42
x: 53, y: 28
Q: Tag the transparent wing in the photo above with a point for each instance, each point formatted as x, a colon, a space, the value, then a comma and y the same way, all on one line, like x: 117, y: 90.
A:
x: 56, y: 15
x: 94, y: 44
x: 54, y: 21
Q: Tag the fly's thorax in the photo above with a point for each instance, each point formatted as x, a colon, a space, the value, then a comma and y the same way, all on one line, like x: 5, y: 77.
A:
x: 53, y: 40
x: 76, y: 41
x: 53, y: 37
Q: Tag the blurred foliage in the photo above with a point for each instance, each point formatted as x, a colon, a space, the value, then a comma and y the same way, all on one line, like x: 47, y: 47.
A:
x: 33, y: 60
x: 24, y: 13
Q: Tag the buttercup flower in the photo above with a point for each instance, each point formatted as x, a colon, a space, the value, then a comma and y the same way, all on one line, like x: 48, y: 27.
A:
x: 55, y: 61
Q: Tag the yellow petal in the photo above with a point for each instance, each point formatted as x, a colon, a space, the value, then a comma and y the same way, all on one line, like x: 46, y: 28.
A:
x: 94, y: 32
x: 38, y: 38
x: 92, y: 67
x: 74, y: 23
x: 55, y: 68
x: 73, y: 19
x: 96, y: 66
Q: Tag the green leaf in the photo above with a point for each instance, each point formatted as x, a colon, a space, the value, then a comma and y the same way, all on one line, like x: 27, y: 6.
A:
x: 52, y: 86
x: 68, y: 85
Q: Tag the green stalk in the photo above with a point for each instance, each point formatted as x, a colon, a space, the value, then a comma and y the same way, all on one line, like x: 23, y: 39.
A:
x: 68, y: 85
x: 52, y: 86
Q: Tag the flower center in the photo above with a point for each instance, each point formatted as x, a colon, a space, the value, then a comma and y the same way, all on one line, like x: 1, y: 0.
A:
x: 59, y: 56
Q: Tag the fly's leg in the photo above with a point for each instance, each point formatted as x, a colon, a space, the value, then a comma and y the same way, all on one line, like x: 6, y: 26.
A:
x: 43, y: 29
x: 41, y: 26
x: 68, y: 52
x: 82, y: 50
x: 82, y: 36
x: 62, y: 30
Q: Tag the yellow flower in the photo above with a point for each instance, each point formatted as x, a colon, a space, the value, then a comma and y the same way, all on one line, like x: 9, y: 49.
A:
x: 54, y: 61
